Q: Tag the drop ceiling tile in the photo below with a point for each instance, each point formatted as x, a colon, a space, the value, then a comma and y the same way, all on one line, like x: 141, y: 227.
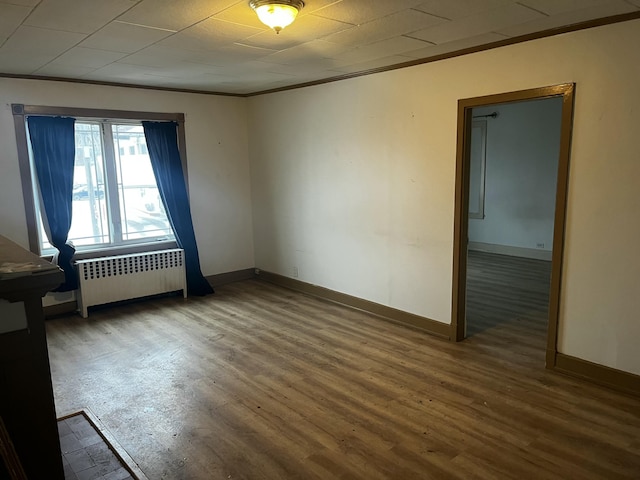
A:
x: 244, y: 84
x: 265, y: 77
x: 478, y: 24
x: 157, y: 62
x: 131, y: 77
x: 325, y: 63
x: 11, y: 16
x: 312, y: 6
x: 233, y: 87
x: 358, y: 12
x: 244, y: 53
x: 175, y: 14
x: 156, y: 81
x: 63, y: 71
x: 277, y: 84
x: 159, y: 56
x: 250, y: 76
x: 303, y: 69
x: 252, y: 66
x: 455, y: 9
x: 247, y: 69
x: 24, y: 3
x: 315, y: 50
x: 455, y: 46
x: 373, y: 64
x: 554, y: 7
x: 316, y: 76
x: 384, y: 48
x: 215, y: 70
x: 209, y: 35
x: 399, y: 23
x: 122, y: 72
x: 87, y: 58
x: 40, y: 41
x: 122, y: 37
x: 184, y: 70
x: 206, y: 80
x: 232, y: 51
x: 231, y: 55
x: 202, y: 82
x: 301, y: 31
x: 143, y: 82
x: 74, y: 16
x: 313, y: 27
x: 243, y: 14
x: 18, y: 63
x: 569, y: 18
x: 272, y: 41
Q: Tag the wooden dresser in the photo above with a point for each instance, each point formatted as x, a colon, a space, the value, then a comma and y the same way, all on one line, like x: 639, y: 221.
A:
x: 26, y: 393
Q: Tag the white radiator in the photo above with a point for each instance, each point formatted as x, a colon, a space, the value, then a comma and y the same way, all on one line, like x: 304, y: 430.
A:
x: 122, y: 277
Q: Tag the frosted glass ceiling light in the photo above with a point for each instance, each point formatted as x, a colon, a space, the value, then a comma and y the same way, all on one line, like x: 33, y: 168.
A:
x: 277, y: 14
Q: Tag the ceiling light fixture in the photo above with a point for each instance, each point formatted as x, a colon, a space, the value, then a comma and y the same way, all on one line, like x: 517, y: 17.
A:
x: 277, y: 14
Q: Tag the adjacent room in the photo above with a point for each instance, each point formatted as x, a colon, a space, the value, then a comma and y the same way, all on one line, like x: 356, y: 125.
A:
x: 390, y: 240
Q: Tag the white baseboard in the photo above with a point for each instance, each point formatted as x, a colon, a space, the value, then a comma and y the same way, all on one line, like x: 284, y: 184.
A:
x: 534, y: 253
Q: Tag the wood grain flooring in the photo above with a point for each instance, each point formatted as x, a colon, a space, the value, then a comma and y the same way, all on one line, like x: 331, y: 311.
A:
x: 259, y: 382
x: 505, y: 292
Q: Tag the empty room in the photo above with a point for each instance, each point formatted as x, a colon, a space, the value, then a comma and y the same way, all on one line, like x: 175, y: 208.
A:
x: 354, y: 239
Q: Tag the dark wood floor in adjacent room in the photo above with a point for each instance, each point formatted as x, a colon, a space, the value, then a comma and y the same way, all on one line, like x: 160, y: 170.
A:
x: 259, y: 382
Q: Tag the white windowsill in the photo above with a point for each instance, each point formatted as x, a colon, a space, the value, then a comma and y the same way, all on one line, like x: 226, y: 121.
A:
x: 118, y: 250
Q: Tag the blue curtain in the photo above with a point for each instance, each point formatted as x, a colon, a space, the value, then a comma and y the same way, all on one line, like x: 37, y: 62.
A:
x: 162, y: 142
x: 53, y: 147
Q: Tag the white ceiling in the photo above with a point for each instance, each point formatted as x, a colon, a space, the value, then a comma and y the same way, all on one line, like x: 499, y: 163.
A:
x: 220, y: 46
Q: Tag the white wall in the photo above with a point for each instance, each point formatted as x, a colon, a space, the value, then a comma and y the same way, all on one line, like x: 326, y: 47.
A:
x: 353, y: 182
x: 217, y: 155
x: 523, y: 144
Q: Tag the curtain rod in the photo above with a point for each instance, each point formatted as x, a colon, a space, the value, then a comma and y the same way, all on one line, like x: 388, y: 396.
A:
x: 492, y: 115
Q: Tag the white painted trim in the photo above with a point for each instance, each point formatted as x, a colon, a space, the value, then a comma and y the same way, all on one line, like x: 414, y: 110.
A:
x: 537, y: 254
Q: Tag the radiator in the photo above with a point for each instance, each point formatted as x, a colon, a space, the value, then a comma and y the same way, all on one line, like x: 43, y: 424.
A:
x: 123, y: 277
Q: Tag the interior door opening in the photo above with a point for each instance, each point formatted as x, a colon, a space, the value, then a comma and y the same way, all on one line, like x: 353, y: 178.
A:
x: 511, y: 185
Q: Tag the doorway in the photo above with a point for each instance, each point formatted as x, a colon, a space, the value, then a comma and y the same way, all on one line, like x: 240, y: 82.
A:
x: 468, y: 206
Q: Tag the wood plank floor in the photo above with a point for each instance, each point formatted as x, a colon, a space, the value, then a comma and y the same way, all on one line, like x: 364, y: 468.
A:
x: 509, y: 293
x: 259, y: 382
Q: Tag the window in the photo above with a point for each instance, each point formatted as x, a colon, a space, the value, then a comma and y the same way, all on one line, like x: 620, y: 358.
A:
x: 115, y: 197
x: 478, y: 158
x: 116, y: 202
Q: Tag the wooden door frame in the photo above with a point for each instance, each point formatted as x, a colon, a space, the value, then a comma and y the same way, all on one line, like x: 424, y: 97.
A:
x: 465, y: 106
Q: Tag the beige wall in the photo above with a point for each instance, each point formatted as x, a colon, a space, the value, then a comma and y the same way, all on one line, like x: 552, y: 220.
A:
x: 216, y: 137
x: 353, y: 182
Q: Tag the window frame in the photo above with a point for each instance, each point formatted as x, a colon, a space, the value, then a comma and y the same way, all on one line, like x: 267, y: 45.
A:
x: 480, y: 180
x: 20, y: 112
